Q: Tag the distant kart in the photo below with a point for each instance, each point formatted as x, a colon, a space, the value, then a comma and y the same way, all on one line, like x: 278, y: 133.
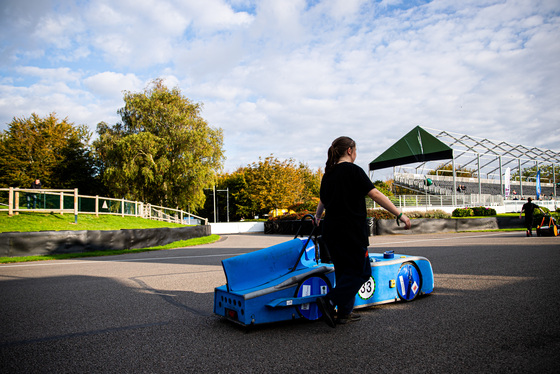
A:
x: 283, y: 282
x: 548, y: 226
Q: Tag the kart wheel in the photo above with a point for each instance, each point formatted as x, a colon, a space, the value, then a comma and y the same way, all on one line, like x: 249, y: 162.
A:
x: 313, y: 285
x: 409, y: 281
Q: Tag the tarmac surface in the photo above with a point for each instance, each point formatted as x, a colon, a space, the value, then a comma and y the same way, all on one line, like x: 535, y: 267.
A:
x: 495, y: 309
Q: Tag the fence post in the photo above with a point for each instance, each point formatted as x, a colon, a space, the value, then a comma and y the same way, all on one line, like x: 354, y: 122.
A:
x: 97, y: 205
x: 11, y: 202
x: 122, y: 207
x: 16, y: 201
x: 75, y: 205
x: 61, y: 203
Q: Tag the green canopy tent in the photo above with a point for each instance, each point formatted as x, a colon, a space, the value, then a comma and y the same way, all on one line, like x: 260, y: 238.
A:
x: 416, y: 146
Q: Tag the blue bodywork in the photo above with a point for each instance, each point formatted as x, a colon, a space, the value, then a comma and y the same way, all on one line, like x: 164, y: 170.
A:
x: 282, y: 282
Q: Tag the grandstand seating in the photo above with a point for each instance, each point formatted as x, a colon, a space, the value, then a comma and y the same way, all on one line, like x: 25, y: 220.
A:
x: 444, y: 186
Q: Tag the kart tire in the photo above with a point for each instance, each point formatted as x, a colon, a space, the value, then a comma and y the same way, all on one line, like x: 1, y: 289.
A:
x: 314, y: 284
x: 409, y: 281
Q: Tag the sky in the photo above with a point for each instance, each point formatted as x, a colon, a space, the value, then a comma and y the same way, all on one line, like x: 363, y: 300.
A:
x: 285, y: 78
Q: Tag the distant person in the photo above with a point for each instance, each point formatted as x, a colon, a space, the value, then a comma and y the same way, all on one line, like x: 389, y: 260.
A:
x: 36, y: 185
x: 345, y: 231
x: 529, y: 208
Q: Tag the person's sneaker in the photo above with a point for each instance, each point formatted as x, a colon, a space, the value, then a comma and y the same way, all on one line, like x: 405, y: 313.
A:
x: 346, y: 318
x: 327, y: 309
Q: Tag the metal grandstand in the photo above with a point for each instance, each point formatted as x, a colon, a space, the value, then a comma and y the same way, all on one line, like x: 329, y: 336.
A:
x: 483, y: 162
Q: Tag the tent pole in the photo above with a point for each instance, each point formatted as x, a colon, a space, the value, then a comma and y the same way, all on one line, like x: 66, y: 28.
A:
x: 454, y: 178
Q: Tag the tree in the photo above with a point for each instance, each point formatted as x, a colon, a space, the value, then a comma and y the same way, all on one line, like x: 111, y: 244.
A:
x: 447, y: 169
x: 55, y: 151
x: 530, y: 173
x: 163, y: 152
x: 268, y: 184
x: 273, y: 184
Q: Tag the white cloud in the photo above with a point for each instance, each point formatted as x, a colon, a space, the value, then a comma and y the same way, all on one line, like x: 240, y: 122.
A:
x: 49, y: 75
x: 288, y: 77
x: 111, y: 85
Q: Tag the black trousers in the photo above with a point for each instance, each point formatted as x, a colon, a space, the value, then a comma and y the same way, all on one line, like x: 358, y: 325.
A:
x: 529, y: 224
x: 350, y: 277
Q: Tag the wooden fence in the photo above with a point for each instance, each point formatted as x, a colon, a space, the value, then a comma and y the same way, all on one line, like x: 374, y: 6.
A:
x: 68, y: 201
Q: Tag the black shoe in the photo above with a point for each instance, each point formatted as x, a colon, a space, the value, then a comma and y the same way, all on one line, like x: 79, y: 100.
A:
x: 346, y: 318
x: 327, y: 309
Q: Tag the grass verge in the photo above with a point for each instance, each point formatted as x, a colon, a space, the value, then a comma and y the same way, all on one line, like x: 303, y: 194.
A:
x: 26, y: 222
x: 65, y: 256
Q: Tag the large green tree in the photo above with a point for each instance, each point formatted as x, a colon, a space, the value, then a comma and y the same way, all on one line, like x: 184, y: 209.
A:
x: 55, y: 151
x: 162, y: 152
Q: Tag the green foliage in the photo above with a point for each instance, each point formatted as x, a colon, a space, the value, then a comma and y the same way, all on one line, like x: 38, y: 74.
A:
x: 24, y: 222
x: 379, y: 214
x: 439, y: 214
x: 55, y: 151
x: 463, y: 212
x: 481, y: 211
x: 384, y: 187
x: 446, y: 169
x: 305, y: 206
x: 292, y: 217
x: 270, y: 184
x: 383, y: 214
x: 530, y: 173
x: 163, y: 152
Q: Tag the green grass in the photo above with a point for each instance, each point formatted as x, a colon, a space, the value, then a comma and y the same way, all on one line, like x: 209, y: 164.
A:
x: 66, y: 256
x: 25, y: 222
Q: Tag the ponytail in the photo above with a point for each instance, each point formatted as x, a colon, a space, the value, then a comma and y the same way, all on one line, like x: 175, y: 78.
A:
x: 336, y: 151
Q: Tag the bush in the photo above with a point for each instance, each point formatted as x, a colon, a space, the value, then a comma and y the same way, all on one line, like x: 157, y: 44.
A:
x: 462, y: 212
x: 291, y: 217
x: 302, y: 206
x: 481, y: 211
x: 379, y: 214
x: 383, y: 214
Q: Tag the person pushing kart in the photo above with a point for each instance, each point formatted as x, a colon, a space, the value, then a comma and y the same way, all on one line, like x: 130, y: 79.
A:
x: 342, y: 196
x: 529, y: 208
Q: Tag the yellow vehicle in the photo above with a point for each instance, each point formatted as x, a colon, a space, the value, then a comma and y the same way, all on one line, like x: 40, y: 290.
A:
x: 280, y: 212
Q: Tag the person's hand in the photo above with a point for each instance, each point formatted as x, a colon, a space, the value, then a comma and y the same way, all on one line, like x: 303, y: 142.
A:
x: 407, y: 223
x: 403, y: 218
x: 317, y: 221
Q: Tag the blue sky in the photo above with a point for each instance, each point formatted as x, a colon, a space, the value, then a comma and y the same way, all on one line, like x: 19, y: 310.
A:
x: 287, y: 77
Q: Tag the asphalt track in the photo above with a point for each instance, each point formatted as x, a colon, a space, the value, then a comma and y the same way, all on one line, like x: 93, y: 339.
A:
x: 495, y: 309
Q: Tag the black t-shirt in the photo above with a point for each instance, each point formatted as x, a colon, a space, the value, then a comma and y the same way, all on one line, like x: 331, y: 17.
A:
x: 343, y: 192
x: 529, y: 208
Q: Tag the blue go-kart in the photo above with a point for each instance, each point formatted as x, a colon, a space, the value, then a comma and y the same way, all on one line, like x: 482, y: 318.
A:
x: 283, y: 282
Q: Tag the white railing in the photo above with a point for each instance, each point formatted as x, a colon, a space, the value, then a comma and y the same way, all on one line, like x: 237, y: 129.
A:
x: 446, y: 203
x: 69, y: 201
